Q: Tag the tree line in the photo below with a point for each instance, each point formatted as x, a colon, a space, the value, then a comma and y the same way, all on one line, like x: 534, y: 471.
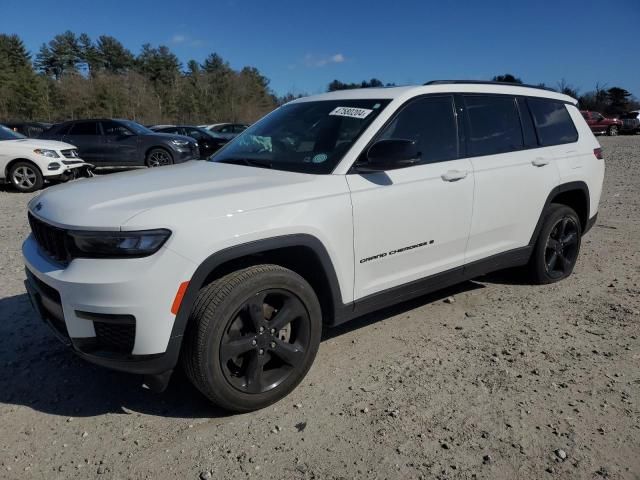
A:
x: 73, y: 76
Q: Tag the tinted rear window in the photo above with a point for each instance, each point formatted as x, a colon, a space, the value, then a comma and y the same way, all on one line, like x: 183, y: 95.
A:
x: 494, y: 124
x: 553, y: 122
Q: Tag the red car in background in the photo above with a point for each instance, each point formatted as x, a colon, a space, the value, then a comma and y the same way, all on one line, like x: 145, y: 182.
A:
x: 600, y: 124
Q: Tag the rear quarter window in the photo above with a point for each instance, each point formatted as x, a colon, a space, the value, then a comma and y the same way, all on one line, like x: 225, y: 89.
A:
x: 552, y: 121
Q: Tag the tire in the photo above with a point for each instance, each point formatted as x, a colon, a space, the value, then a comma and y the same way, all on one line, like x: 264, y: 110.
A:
x: 612, y: 131
x: 557, y: 247
x: 25, y: 177
x: 235, y: 331
x: 158, y: 157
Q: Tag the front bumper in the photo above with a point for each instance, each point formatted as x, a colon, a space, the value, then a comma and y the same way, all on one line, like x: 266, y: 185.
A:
x: 111, y: 312
x: 190, y: 152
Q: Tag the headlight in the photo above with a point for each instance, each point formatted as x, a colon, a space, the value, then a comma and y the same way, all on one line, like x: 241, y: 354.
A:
x: 46, y: 153
x: 118, y: 244
x: 180, y: 143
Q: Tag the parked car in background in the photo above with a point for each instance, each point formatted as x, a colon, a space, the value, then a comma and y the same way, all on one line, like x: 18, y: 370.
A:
x: 27, y: 163
x: 226, y: 130
x: 123, y: 143
x: 208, y: 142
x: 630, y: 122
x: 598, y: 123
x: 29, y: 129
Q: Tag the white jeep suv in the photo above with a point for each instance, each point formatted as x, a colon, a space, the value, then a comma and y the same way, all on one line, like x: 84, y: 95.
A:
x: 329, y: 207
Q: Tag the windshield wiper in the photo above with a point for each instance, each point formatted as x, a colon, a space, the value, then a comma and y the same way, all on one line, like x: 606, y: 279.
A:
x: 250, y: 162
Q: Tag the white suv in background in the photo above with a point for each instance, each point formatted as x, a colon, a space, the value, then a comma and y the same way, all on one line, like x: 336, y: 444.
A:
x: 329, y: 207
x: 27, y: 162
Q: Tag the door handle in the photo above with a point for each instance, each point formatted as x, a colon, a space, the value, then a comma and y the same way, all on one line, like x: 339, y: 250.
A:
x: 454, y: 175
x: 540, y: 162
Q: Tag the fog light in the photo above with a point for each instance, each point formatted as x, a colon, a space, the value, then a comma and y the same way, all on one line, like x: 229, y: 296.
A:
x: 54, y: 166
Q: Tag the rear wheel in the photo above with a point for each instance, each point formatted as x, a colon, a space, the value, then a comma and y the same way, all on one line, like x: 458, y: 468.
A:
x: 253, y: 335
x: 558, y: 245
x: 158, y: 157
x: 612, y: 131
x: 25, y: 177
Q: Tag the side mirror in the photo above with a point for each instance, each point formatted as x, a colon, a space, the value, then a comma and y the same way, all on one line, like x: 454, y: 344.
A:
x: 391, y: 154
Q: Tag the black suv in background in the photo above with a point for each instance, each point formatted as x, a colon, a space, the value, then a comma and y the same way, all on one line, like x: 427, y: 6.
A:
x: 123, y: 143
x: 208, y: 143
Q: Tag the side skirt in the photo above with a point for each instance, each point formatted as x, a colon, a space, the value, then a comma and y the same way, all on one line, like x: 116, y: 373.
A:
x: 513, y: 258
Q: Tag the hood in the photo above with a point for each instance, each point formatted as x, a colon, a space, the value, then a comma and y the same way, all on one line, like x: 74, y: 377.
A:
x: 213, y: 189
x: 39, y: 143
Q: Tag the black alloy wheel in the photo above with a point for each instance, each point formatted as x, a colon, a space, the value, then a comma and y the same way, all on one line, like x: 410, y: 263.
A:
x: 158, y: 158
x: 561, y: 250
x: 252, y: 336
x: 556, y: 250
x: 265, y: 342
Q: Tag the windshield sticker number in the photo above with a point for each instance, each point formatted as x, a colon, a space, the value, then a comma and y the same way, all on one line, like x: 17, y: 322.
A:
x: 351, y: 112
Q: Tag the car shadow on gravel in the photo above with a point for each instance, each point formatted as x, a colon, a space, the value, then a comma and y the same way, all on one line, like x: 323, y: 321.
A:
x: 39, y: 372
x: 398, y: 309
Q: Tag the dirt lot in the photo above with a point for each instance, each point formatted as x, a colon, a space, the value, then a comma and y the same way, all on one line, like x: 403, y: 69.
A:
x: 491, y: 386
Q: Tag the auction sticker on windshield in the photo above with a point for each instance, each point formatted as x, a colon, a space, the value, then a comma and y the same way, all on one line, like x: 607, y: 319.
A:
x: 351, y: 112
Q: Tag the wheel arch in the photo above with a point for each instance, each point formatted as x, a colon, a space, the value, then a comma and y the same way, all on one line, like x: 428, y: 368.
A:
x: 301, y: 253
x: 16, y: 160
x: 571, y: 194
x: 157, y: 147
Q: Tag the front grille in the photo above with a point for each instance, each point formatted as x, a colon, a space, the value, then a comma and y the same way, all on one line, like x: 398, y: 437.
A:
x: 115, y: 337
x: 53, y: 241
x: 70, y: 153
x: 71, y: 162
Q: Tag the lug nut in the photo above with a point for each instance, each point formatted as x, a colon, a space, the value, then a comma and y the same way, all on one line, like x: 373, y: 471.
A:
x: 261, y: 351
x: 261, y: 329
x: 273, y: 330
x: 254, y: 343
x: 273, y: 344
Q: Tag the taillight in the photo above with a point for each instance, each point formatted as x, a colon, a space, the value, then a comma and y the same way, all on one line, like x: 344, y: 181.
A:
x: 598, y: 153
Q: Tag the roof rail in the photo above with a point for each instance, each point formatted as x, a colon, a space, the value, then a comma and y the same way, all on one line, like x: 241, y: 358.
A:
x: 487, y: 82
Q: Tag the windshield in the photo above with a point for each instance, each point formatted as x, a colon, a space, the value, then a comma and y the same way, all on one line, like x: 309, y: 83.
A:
x: 136, y: 127
x: 309, y: 137
x: 8, y: 134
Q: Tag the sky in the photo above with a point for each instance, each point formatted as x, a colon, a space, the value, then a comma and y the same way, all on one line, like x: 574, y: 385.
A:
x: 302, y: 45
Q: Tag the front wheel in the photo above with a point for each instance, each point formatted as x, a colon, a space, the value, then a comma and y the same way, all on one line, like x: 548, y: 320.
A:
x: 252, y: 337
x: 612, y: 131
x: 25, y: 177
x: 558, y: 245
x: 158, y: 157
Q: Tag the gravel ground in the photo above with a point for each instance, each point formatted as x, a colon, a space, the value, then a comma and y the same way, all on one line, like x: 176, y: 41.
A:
x: 509, y: 381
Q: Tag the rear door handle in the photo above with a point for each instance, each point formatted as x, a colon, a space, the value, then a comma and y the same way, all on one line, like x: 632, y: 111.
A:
x: 454, y: 175
x: 540, y: 162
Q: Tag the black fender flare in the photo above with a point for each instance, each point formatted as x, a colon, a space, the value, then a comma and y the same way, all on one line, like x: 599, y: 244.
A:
x: 235, y: 252
x: 565, y: 187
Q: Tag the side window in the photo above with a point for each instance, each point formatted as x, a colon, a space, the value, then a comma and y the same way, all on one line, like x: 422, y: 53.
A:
x: 226, y: 129
x: 552, y: 121
x: 84, y: 128
x: 239, y: 128
x: 168, y: 130
x: 114, y: 129
x: 431, y: 123
x: 494, y: 124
